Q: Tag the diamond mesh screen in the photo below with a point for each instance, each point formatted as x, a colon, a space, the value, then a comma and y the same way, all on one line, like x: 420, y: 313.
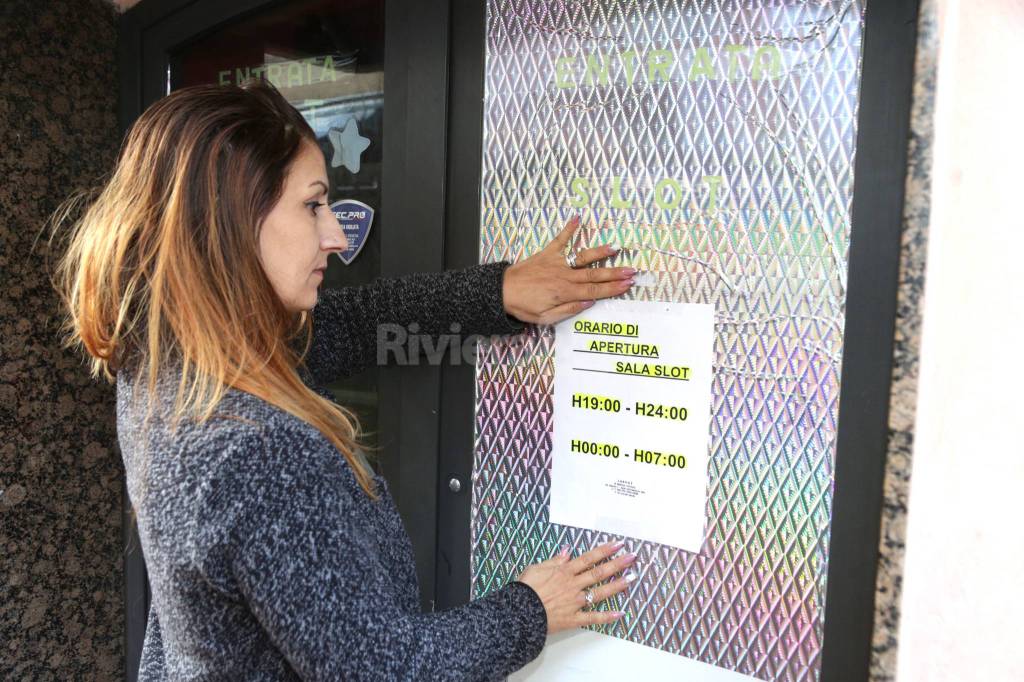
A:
x: 715, y: 142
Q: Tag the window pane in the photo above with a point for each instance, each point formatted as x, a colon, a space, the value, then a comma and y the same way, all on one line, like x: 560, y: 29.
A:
x: 327, y: 59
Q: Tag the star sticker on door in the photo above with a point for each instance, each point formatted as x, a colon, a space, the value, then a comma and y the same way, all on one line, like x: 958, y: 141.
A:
x: 348, y: 146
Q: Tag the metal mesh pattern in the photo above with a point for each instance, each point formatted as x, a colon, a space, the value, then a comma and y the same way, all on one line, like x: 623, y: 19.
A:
x: 727, y: 175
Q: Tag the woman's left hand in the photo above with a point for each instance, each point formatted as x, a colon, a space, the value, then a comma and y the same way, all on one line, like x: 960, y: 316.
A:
x: 543, y: 289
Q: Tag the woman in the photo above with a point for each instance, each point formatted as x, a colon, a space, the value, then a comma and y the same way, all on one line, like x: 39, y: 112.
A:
x: 274, y: 551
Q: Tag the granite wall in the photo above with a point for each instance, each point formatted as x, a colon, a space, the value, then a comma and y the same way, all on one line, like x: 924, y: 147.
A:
x: 906, y: 349
x: 61, y: 614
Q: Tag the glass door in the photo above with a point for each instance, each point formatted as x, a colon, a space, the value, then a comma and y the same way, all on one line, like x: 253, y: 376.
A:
x: 330, y: 59
x: 327, y: 59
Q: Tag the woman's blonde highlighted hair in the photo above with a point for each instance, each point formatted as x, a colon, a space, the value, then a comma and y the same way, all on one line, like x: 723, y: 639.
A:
x: 164, y: 264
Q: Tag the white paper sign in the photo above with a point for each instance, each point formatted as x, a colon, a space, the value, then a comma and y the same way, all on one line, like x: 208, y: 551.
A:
x: 632, y: 409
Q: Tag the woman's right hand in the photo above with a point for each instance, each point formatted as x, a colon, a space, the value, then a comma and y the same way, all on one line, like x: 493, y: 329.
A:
x: 562, y: 584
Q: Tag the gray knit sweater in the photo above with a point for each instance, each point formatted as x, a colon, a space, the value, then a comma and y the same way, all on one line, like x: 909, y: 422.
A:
x: 266, y: 559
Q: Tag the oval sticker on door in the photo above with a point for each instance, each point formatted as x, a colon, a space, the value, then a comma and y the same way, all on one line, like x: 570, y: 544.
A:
x: 355, y: 219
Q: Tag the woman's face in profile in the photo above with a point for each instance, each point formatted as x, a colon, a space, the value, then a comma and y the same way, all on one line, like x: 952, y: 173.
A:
x: 300, y: 232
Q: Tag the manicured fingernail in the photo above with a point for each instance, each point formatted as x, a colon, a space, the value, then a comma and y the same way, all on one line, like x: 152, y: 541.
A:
x: 628, y: 282
x: 646, y: 279
x: 629, y: 272
x: 618, y: 545
x: 629, y: 559
x: 629, y: 577
x: 564, y: 551
x: 614, y: 247
x: 618, y: 614
x: 586, y: 304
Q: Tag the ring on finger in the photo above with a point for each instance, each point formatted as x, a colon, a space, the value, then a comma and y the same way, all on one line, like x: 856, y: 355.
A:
x: 588, y: 594
x: 570, y: 259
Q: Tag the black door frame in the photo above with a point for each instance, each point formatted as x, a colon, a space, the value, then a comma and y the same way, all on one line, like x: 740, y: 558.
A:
x: 413, y: 191
x: 883, y: 125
